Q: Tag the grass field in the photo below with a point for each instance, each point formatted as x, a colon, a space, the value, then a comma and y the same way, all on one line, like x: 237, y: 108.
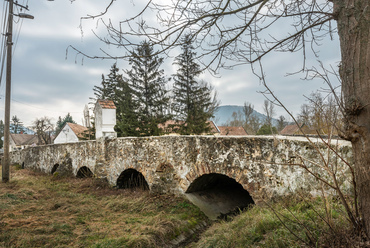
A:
x: 38, y: 210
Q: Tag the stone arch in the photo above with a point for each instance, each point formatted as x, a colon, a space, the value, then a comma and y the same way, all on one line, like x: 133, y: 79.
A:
x: 218, y: 195
x: 130, y: 179
x: 54, y: 169
x: 84, y: 172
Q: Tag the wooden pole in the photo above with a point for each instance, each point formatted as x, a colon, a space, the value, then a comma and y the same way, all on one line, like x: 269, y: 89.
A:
x: 9, y: 34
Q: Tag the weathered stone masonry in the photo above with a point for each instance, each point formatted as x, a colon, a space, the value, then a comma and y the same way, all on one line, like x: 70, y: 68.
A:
x: 262, y: 165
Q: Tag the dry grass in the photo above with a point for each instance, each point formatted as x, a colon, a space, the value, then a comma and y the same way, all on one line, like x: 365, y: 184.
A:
x: 290, y: 222
x: 37, y: 210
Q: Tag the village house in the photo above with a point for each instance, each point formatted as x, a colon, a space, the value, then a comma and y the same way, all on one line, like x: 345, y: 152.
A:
x: 71, y: 132
x: 21, y: 140
x: 294, y: 129
x: 232, y: 131
x: 170, y: 126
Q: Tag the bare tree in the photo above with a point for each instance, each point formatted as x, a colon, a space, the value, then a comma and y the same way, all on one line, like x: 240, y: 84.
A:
x: 281, y: 123
x: 44, y: 129
x: 321, y: 114
x: 252, y: 122
x: 304, y: 116
x: 248, y: 110
x: 269, y: 111
x: 236, y: 32
x: 236, y: 120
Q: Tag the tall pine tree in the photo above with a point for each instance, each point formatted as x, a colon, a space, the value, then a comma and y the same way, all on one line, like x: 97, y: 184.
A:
x: 108, y: 85
x: 126, y: 114
x: 115, y: 88
x: 194, y: 100
x: 148, y: 85
x: 16, y: 126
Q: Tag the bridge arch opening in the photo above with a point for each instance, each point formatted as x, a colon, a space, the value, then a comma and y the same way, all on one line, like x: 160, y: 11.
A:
x: 132, y: 179
x: 84, y: 172
x: 54, y: 169
x: 218, y: 195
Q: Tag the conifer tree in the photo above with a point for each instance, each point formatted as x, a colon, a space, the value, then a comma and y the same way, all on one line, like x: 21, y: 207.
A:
x: 108, y: 85
x: 194, y: 102
x: 148, y: 86
x: 17, y: 125
x: 61, y: 122
x: 115, y: 88
x: 126, y: 115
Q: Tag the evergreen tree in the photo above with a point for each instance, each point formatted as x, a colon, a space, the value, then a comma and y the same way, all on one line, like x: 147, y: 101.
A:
x: 150, y: 97
x: 108, y: 85
x: 115, y: 88
x: 17, y: 125
x: 194, y: 103
x: 267, y: 129
x: 127, y: 117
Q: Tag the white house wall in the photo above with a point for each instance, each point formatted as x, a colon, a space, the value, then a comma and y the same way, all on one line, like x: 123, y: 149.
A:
x: 105, y: 120
x: 98, y: 121
x: 109, y: 120
x: 66, y: 136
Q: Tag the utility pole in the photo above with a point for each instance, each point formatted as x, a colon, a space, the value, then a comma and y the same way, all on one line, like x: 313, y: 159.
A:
x: 9, y: 43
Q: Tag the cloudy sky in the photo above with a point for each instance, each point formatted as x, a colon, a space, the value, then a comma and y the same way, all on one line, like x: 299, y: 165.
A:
x: 48, y: 81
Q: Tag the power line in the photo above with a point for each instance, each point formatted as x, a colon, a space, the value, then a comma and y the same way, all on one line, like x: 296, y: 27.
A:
x: 65, y: 112
x: 18, y: 31
x: 4, y: 20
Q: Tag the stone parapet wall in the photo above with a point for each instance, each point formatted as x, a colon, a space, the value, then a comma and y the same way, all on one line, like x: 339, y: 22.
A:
x: 264, y: 166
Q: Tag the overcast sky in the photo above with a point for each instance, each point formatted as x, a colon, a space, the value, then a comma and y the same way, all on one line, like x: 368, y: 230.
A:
x: 46, y: 82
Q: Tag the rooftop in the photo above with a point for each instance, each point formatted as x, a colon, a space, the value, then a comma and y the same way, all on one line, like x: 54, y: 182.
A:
x: 107, y: 104
x: 24, y: 139
x: 235, y: 131
x: 77, y: 129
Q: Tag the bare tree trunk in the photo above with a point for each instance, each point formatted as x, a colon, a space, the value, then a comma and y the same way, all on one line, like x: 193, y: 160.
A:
x: 353, y: 17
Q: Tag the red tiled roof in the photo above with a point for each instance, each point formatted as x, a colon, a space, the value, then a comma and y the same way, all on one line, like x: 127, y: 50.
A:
x: 107, y: 104
x: 237, y: 131
x: 290, y: 130
x: 170, y: 126
x: 294, y: 130
x: 77, y: 129
x: 214, y: 128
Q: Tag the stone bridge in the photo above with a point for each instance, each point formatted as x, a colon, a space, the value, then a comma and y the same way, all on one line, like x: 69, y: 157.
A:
x: 213, y: 172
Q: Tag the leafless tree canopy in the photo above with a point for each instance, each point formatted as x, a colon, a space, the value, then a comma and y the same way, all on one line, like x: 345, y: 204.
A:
x: 269, y: 111
x: 43, y: 128
x: 229, y: 32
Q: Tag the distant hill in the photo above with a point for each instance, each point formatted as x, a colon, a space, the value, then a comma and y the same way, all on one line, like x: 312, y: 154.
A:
x: 224, y: 114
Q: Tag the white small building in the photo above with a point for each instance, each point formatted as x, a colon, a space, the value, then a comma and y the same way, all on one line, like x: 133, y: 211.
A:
x: 21, y: 141
x: 70, y: 133
x: 105, y: 119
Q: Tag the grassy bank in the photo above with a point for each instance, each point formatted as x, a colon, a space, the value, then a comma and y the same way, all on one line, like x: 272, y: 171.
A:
x: 289, y: 223
x: 38, y: 210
